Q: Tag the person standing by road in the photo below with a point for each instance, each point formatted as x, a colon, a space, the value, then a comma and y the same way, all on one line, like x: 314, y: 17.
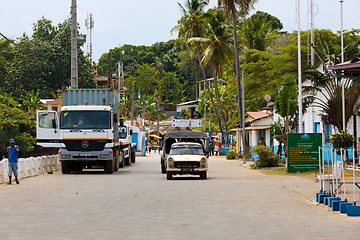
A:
x: 262, y: 142
x: 13, y: 151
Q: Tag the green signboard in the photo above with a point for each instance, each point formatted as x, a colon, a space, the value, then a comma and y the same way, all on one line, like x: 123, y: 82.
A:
x: 303, y: 151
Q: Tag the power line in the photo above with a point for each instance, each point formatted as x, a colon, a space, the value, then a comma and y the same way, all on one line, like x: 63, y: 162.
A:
x: 42, y: 47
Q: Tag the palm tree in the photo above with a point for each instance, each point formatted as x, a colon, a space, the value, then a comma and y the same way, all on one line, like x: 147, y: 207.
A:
x: 330, y: 88
x: 254, y: 33
x: 192, y: 24
x: 231, y: 8
x: 217, y: 49
x: 32, y: 101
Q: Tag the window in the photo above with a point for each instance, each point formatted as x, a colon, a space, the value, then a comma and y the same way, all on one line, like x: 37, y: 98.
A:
x: 262, y: 134
x: 85, y: 120
x: 316, y: 127
x: 303, y: 127
x: 122, y: 132
x: 46, y: 119
x: 186, y: 149
x: 327, y: 132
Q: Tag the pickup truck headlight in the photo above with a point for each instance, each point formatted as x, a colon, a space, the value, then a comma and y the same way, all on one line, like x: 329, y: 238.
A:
x: 170, y: 162
x: 203, y: 162
x: 66, y: 156
x: 104, y: 155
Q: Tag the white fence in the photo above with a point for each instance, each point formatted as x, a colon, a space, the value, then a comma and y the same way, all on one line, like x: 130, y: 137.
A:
x: 30, y: 167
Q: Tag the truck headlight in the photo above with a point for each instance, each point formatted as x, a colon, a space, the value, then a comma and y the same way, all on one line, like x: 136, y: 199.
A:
x: 66, y: 156
x: 203, y: 162
x: 104, y: 155
x: 170, y: 162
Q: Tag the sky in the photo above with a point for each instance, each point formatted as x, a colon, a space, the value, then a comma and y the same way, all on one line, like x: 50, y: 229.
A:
x: 145, y: 22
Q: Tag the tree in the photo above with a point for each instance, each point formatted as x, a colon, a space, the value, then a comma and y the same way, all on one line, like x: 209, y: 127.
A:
x: 43, y: 61
x: 254, y: 33
x: 274, y: 22
x: 5, y: 57
x: 286, y: 106
x: 231, y: 8
x: 330, y: 88
x: 31, y: 101
x: 218, y: 51
x: 14, y: 123
x: 193, y: 25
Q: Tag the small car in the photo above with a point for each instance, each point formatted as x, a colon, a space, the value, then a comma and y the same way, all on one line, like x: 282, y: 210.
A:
x: 186, y: 158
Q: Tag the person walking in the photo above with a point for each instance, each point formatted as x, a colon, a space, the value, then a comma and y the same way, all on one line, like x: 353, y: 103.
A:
x: 13, y: 151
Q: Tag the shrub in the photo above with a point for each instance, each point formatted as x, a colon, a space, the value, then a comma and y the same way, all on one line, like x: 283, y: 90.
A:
x: 231, y: 155
x: 267, y: 157
x: 342, y: 140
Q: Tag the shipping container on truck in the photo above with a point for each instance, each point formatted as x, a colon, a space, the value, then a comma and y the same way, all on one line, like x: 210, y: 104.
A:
x: 86, y: 131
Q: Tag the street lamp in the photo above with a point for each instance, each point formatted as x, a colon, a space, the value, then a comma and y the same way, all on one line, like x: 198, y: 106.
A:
x: 342, y: 60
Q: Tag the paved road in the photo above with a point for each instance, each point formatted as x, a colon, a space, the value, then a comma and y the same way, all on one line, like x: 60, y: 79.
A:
x: 137, y: 202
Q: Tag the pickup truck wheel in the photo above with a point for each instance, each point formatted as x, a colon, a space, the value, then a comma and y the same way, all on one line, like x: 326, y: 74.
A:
x: 109, y: 166
x: 65, y: 167
x: 203, y: 175
x: 121, y: 165
x: 168, y: 175
x: 163, y: 169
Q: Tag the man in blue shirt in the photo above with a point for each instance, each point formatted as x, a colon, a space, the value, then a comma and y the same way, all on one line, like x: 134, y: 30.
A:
x: 13, y: 151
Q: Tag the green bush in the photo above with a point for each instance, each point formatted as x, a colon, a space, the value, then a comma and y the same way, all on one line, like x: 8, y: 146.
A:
x: 342, y: 140
x: 267, y: 157
x: 231, y: 155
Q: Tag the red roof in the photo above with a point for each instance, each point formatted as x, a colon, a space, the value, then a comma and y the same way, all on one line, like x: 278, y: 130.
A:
x: 257, y: 115
x: 55, y: 102
x: 100, y: 78
x: 345, y: 65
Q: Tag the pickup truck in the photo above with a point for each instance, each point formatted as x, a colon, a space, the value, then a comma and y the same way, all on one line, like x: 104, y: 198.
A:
x: 184, y: 153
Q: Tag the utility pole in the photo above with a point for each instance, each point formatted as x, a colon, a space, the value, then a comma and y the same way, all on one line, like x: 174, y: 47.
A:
x: 109, y: 69
x: 158, y: 117
x: 204, y: 114
x: 132, y: 103
x: 74, y: 77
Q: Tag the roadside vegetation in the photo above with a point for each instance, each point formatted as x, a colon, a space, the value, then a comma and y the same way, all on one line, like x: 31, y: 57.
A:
x: 212, y: 42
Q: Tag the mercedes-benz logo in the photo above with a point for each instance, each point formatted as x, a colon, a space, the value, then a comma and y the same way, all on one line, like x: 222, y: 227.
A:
x: 85, y: 144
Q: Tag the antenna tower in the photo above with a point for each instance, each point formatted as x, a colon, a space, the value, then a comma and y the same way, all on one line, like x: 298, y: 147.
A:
x: 89, y: 23
x: 312, y: 9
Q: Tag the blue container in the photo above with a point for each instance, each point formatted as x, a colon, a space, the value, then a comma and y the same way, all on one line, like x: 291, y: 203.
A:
x: 343, y: 206
x: 336, y: 205
x: 353, y: 210
x: 317, y: 195
x: 332, y: 199
x: 322, y: 196
x: 326, y: 200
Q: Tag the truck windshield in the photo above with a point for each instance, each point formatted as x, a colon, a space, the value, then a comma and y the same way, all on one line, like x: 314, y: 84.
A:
x: 186, y: 149
x: 85, y: 120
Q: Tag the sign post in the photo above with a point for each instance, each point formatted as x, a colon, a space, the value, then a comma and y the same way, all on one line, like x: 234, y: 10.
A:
x: 303, y: 151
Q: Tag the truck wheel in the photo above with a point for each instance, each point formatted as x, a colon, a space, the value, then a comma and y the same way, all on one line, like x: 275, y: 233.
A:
x: 127, y: 160
x: 133, y: 155
x: 109, y: 166
x: 163, y: 169
x: 65, y: 167
x: 121, y: 165
x: 168, y: 175
x: 203, y: 175
x: 116, y: 160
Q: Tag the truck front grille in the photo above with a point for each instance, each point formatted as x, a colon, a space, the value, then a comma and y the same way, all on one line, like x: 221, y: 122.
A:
x: 187, y: 164
x: 91, y: 145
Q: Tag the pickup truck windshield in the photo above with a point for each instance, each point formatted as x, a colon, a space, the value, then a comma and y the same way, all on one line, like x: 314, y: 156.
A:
x: 85, y: 120
x: 186, y: 149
